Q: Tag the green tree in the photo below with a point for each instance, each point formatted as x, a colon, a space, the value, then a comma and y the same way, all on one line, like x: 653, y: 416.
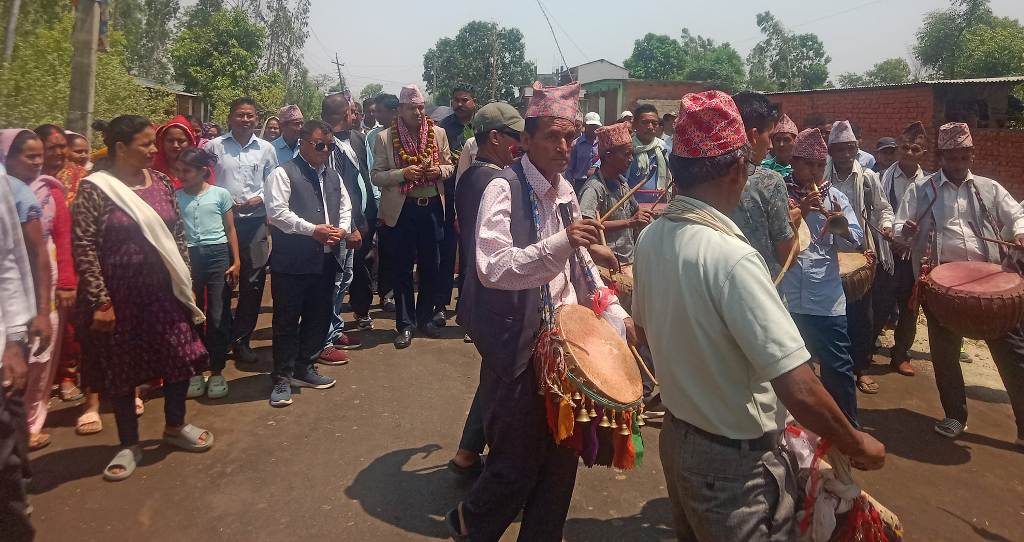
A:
x: 940, y: 43
x: 147, y: 26
x: 656, y: 57
x: 718, y: 64
x: 306, y: 91
x: 784, y: 60
x: 371, y: 90
x: 220, y: 60
x: 851, y: 79
x: 994, y: 50
x: 290, y: 24
x: 482, y: 54
x: 891, y: 71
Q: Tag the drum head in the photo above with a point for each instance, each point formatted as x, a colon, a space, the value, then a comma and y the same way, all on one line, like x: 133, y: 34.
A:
x: 601, y: 356
x: 976, y: 278
x: 850, y: 262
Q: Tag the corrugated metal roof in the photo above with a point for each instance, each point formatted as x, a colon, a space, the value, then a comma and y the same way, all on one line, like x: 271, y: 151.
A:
x: 979, y: 81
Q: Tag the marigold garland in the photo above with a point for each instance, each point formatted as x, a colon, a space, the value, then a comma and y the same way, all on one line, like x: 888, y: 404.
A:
x: 419, y: 156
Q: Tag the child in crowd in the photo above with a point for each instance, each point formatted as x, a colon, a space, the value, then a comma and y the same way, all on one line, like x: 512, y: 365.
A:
x: 207, y: 213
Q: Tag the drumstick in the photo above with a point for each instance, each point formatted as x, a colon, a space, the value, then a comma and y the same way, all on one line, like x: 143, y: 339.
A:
x: 640, y: 362
x: 789, y: 259
x: 621, y: 201
x: 977, y: 233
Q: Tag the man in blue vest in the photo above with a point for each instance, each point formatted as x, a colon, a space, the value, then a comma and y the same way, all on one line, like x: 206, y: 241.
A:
x: 310, y: 216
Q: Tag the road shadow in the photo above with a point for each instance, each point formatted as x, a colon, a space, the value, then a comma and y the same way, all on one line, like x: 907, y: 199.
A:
x: 909, y: 434
x: 247, y: 389
x: 987, y: 394
x: 51, y: 470
x: 415, y: 500
x: 982, y: 532
x: 652, y: 523
x: 264, y: 361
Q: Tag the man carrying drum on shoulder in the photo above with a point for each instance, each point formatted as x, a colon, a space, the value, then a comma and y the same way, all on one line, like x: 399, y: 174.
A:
x: 864, y: 192
x: 966, y: 207
x: 812, y: 289
x: 730, y: 361
x: 527, y: 257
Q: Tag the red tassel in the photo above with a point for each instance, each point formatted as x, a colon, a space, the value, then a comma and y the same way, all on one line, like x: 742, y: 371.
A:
x: 823, y: 447
x: 601, y: 300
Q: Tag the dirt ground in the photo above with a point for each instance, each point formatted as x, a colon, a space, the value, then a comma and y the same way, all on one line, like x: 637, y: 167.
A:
x: 366, y: 460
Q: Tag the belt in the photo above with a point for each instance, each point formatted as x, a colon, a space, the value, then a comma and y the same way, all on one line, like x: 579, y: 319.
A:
x: 764, y: 443
x: 421, y: 201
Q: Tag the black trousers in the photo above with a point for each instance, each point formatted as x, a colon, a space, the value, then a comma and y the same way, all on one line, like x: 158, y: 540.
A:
x: 254, y: 251
x: 303, y: 305
x: 209, y: 262
x: 14, y: 521
x: 525, y: 471
x: 860, y: 325
x: 416, y: 238
x: 128, y: 421
x: 1007, y: 353
x: 892, y: 292
x: 360, y: 292
x: 446, y: 273
x: 385, y: 262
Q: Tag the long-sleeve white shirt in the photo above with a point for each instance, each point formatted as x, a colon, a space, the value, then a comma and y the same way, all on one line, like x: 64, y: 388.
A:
x: 278, y: 189
x: 502, y: 265
x: 17, y: 300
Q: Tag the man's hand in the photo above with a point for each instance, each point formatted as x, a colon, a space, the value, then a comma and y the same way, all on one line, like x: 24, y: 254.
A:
x: 584, y: 233
x: 869, y: 455
x: 66, y: 299
x: 15, y: 368
x: 1019, y: 239
x: 634, y: 333
x: 603, y: 256
x: 40, y: 330
x: 810, y: 202
x: 870, y: 256
x: 325, y: 234
x: 909, y: 229
x: 354, y: 240
x: 433, y: 173
x: 231, y: 274
x: 795, y: 217
x: 642, y: 218
x: 103, y: 320
x: 886, y: 232
x: 412, y: 173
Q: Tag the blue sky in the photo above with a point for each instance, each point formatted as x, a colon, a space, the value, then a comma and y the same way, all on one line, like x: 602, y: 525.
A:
x: 384, y: 41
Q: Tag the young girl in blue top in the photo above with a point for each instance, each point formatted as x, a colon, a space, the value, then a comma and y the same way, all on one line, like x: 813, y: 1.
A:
x: 209, y: 221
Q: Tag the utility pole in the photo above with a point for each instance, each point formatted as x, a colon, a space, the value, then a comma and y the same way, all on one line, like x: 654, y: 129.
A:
x: 338, y: 64
x: 12, y: 26
x: 84, y: 40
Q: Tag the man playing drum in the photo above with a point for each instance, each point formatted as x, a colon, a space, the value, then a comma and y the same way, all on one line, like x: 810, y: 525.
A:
x: 528, y: 257
x: 864, y: 192
x: 811, y: 289
x: 730, y: 360
x: 966, y: 207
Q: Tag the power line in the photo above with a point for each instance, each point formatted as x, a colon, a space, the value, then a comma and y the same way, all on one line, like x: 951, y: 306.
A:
x: 553, y: 36
x: 819, y: 19
x: 572, y: 41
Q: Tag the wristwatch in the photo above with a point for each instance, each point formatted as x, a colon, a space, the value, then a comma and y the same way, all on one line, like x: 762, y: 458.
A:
x: 18, y: 337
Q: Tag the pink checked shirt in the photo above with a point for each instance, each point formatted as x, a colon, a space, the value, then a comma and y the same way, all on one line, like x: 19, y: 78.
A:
x: 503, y: 266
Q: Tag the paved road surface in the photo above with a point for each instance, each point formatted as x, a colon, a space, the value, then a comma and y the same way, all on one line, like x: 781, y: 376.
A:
x: 365, y: 461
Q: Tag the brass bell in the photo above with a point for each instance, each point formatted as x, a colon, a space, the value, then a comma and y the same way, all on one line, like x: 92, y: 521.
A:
x: 576, y: 396
x: 615, y: 420
x: 624, y: 429
x: 582, y: 417
x: 640, y: 420
x: 593, y: 412
x: 604, y: 420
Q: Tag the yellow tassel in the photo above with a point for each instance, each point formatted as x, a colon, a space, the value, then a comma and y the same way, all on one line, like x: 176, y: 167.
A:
x: 566, y: 418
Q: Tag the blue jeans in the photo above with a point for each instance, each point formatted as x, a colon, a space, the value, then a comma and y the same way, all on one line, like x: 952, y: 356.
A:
x: 341, y: 283
x: 209, y: 263
x: 828, y: 340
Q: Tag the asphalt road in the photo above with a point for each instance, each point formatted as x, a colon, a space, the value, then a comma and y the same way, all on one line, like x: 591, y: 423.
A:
x: 366, y: 461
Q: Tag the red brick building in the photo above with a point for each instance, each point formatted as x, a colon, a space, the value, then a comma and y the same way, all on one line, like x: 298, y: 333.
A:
x: 610, y: 97
x: 987, y: 105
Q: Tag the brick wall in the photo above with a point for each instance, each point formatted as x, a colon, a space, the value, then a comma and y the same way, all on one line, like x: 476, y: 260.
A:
x: 999, y: 154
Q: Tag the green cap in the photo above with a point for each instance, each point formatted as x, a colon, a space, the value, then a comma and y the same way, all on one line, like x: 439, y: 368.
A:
x: 498, y: 115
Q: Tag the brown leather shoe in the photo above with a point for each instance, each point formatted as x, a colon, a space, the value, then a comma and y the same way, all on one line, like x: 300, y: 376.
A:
x: 904, y: 368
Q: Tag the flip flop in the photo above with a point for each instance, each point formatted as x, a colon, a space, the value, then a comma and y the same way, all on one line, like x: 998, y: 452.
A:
x: 89, y: 423
x: 128, y: 458
x: 38, y: 441
x: 188, y: 439
x: 867, y: 386
x: 140, y: 407
x: 69, y: 392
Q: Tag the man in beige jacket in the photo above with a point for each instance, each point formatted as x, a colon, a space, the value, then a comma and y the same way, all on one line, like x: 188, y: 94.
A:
x: 412, y: 159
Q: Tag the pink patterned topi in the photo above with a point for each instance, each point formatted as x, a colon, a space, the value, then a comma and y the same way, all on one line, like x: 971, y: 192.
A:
x: 561, y: 102
x: 613, y: 135
x: 955, y: 135
x: 785, y: 126
x: 289, y: 113
x: 411, y: 94
x: 810, y: 145
x: 709, y: 125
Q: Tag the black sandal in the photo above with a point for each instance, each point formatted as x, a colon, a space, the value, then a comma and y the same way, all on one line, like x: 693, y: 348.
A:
x: 456, y: 525
x: 471, y: 471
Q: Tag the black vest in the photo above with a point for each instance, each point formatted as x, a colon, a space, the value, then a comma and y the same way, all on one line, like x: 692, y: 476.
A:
x: 503, y: 324
x: 297, y: 254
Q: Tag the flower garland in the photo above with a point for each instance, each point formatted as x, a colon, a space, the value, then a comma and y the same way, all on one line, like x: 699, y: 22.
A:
x: 421, y: 151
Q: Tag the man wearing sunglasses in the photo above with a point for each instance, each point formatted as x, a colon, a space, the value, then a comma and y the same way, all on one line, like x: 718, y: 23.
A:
x: 893, y: 290
x: 310, y: 216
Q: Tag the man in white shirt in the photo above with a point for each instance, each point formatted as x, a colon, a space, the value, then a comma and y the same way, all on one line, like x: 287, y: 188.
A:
x: 310, y: 215
x: 17, y: 308
x: 729, y: 358
x: 962, y: 200
x: 244, y: 162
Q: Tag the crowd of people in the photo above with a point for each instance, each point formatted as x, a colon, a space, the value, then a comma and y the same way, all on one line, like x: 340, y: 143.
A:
x: 118, y: 269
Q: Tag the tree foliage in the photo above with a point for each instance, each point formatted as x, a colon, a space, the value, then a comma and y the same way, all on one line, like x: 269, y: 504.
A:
x: 290, y: 24
x: 482, y: 54
x: 993, y: 50
x: 35, y: 86
x: 940, y: 46
x: 891, y: 71
x: 148, y: 27
x: 784, y: 60
x: 656, y: 57
x: 371, y: 90
x: 691, y: 58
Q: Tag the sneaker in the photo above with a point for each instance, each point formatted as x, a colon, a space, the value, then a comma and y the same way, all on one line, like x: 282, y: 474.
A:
x: 344, y: 342
x: 312, y: 378
x: 332, y: 356
x: 281, y: 395
x: 388, y: 303
x: 950, y: 428
x: 965, y: 357
x: 365, y: 323
x: 196, y: 387
x: 217, y: 387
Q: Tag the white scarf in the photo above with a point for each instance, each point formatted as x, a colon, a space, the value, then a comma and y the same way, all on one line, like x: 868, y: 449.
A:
x: 155, y: 231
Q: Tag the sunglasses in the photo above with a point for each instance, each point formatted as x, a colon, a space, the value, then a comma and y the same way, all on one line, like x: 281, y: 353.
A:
x: 320, y: 146
x: 911, y: 147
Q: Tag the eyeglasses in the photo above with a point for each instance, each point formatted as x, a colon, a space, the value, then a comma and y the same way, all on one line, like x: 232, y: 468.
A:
x: 911, y: 148
x: 320, y: 146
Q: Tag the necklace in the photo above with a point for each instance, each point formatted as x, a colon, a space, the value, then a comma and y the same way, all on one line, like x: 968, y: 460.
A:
x: 418, y: 151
